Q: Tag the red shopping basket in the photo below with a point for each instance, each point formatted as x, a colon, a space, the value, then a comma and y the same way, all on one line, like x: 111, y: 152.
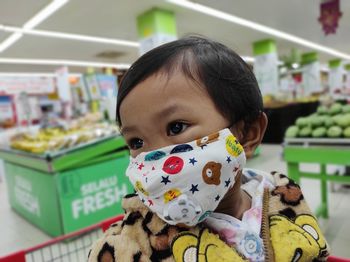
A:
x: 71, y: 247
x: 338, y: 259
x: 75, y: 246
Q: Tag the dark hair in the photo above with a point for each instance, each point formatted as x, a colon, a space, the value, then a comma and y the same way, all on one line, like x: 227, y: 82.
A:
x: 228, y: 80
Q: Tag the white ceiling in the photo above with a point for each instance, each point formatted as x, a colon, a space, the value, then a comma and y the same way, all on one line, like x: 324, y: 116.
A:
x: 117, y: 19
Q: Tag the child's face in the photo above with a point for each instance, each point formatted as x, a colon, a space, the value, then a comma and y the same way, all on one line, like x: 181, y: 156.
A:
x: 162, y: 111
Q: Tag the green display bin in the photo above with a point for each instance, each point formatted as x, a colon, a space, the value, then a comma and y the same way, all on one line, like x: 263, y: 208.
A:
x: 322, y: 151
x: 67, y: 191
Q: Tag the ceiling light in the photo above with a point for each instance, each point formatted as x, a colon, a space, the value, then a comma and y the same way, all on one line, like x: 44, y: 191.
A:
x: 295, y: 65
x: 61, y: 62
x: 9, y: 41
x: 33, y: 22
x: 78, y: 37
x: 258, y: 27
x: 34, y: 74
x: 44, y: 13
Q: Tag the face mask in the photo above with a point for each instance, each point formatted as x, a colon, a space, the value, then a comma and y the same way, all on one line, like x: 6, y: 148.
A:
x: 184, y: 183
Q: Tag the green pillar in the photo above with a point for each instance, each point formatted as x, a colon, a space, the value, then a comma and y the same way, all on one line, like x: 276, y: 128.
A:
x: 335, y: 76
x: 311, y: 74
x: 155, y: 27
x: 266, y: 66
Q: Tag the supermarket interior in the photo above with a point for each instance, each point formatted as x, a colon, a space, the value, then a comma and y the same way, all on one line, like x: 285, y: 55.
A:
x: 62, y: 156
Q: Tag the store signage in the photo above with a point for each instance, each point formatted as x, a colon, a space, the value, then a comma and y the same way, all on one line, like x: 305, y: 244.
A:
x: 98, y: 195
x: 30, y: 85
x: 92, y: 86
x: 330, y: 15
x: 108, y: 85
x: 25, y: 197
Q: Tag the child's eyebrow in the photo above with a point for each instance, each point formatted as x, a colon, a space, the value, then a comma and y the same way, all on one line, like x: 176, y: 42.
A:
x: 124, y: 130
x: 168, y: 110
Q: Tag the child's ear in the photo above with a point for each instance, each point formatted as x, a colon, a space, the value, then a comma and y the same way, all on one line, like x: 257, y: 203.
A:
x: 251, y: 138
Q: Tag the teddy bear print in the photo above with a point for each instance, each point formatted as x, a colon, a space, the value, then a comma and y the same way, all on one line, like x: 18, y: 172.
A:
x: 211, y: 173
x: 207, y: 139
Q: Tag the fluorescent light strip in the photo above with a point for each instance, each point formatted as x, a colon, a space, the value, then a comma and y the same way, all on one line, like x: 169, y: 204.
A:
x: 76, y: 63
x: 78, y: 37
x: 44, y: 13
x: 61, y: 62
x: 34, y: 21
x: 34, y: 74
x: 10, y: 41
x: 258, y: 27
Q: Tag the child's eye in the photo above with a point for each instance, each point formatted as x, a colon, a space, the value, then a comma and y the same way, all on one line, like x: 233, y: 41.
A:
x: 135, y: 143
x: 176, y: 128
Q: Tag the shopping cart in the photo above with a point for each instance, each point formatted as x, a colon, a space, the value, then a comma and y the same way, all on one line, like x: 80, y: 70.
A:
x: 73, y: 247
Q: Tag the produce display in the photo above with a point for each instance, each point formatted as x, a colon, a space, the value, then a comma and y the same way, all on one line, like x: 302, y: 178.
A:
x: 54, y: 139
x: 273, y: 101
x: 328, y: 122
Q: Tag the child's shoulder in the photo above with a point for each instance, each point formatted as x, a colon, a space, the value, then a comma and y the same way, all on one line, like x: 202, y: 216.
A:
x: 141, y: 236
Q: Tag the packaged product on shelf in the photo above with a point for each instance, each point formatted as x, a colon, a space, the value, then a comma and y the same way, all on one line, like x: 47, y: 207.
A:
x: 66, y: 136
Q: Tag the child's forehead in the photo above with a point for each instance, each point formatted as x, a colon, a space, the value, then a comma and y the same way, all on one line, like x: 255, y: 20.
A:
x: 162, y: 89
x: 172, y: 82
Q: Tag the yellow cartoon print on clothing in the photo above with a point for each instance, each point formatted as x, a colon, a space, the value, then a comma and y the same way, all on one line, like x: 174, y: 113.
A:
x: 208, y: 247
x: 298, y: 240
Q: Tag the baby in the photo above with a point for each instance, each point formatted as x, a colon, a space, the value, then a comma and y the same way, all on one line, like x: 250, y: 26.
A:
x: 191, y: 113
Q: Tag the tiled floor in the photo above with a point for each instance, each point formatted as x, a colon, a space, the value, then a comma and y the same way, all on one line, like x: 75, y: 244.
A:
x: 17, y: 234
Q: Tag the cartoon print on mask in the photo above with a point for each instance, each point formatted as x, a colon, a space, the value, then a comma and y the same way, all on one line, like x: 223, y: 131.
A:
x: 154, y: 155
x: 298, y: 240
x: 171, y: 194
x: 233, y: 147
x: 138, y: 186
x: 211, y: 173
x: 171, y: 180
x: 204, y: 141
x: 207, y: 247
x: 181, y: 148
x: 173, y: 165
x: 290, y: 194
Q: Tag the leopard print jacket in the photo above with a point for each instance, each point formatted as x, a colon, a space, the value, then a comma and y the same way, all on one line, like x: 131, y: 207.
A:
x: 289, y: 231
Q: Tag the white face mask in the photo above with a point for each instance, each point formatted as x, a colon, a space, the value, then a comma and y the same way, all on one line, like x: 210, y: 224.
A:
x: 184, y: 183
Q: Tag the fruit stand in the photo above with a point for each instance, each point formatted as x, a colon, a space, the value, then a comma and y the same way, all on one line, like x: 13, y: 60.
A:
x: 321, y: 138
x: 70, y: 189
x: 322, y: 151
x: 282, y: 115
